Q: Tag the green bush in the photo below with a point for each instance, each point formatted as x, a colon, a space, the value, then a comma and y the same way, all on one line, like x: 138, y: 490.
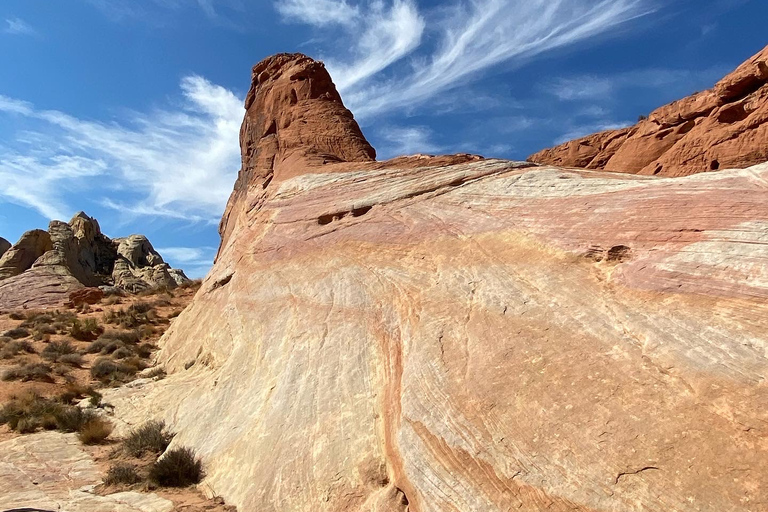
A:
x: 88, y: 330
x: 179, y: 467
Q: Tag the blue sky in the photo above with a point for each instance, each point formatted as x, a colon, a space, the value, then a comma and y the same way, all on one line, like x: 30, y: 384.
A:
x: 130, y: 109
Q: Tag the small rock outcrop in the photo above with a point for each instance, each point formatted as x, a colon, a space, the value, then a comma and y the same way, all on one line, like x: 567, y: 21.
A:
x: 4, y: 246
x: 722, y: 128
x: 44, y: 267
x: 458, y: 334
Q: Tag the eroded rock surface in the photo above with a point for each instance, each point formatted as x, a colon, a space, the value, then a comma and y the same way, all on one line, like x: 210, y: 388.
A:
x: 722, y: 128
x: 458, y: 334
x: 51, y: 471
x: 44, y: 267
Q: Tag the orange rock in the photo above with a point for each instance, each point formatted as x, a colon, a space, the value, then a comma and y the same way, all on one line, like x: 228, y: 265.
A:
x: 85, y: 296
x: 726, y: 127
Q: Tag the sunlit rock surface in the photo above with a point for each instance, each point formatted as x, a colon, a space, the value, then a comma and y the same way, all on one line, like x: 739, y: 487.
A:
x: 459, y: 334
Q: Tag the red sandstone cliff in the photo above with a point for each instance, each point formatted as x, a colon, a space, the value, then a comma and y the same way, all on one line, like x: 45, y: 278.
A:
x: 722, y: 128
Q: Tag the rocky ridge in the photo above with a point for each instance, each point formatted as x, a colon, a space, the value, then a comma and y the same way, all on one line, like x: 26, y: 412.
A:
x: 459, y: 334
x: 725, y: 127
x: 44, y: 267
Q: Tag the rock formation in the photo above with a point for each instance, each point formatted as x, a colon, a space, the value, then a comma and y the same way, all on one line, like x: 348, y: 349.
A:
x: 4, y: 246
x: 459, y: 334
x: 722, y: 128
x: 44, y: 267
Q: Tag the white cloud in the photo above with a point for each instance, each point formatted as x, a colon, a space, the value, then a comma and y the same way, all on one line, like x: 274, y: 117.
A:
x: 17, y: 26
x: 591, y: 87
x: 388, y: 36
x: 319, y: 12
x: 399, y: 140
x: 474, y: 37
x: 174, y: 163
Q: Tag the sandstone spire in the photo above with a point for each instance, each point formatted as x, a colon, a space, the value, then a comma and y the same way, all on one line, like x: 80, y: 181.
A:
x: 295, y: 123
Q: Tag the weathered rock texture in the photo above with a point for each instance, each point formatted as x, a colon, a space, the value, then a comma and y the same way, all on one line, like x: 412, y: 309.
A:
x: 44, y: 267
x: 458, y: 334
x: 722, y: 128
x: 51, y: 471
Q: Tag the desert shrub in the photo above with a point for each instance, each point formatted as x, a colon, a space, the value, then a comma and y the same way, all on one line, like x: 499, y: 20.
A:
x: 97, y: 346
x: 122, y: 353
x: 145, y: 350
x: 37, y: 319
x: 152, y: 437
x: 17, y: 316
x: 146, y: 331
x: 641, y: 117
x: 131, y: 336
x: 179, y: 467
x: 28, y: 412
x: 112, y: 300
x: 107, y: 371
x: 75, y: 360
x: 55, y: 350
x: 156, y: 373
x: 94, y: 430
x: 17, y: 333
x: 75, y: 391
x: 88, y: 330
x: 174, y: 314
x: 122, y: 474
x: 112, y: 346
x: 14, y: 348
x: 72, y: 418
x: 30, y: 372
x: 132, y: 317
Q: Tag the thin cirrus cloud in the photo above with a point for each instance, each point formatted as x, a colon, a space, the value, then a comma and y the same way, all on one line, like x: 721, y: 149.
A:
x: 17, y: 26
x: 472, y: 38
x: 172, y: 163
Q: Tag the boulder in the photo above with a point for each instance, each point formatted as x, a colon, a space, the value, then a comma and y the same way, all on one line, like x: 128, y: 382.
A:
x: 459, y: 334
x: 85, y: 296
x: 723, y: 128
x: 20, y: 257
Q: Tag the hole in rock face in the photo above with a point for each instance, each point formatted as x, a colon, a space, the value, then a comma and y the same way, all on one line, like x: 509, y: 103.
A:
x: 359, y: 212
x: 272, y: 130
x: 325, y: 219
x: 618, y: 253
x: 294, y: 98
x: 658, y: 169
x: 715, y: 165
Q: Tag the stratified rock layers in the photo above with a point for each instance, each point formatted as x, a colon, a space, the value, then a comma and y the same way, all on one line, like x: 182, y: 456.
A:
x: 477, y: 336
x: 722, y: 128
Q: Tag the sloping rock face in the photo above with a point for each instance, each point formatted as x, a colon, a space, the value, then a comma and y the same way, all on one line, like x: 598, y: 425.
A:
x: 44, y: 267
x: 51, y: 471
x: 457, y: 334
x: 722, y: 128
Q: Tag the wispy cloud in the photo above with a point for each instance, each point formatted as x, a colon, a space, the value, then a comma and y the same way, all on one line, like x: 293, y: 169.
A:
x: 405, y: 140
x: 472, y: 38
x: 319, y: 12
x: 173, y: 163
x: 603, y: 87
x: 17, y: 26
